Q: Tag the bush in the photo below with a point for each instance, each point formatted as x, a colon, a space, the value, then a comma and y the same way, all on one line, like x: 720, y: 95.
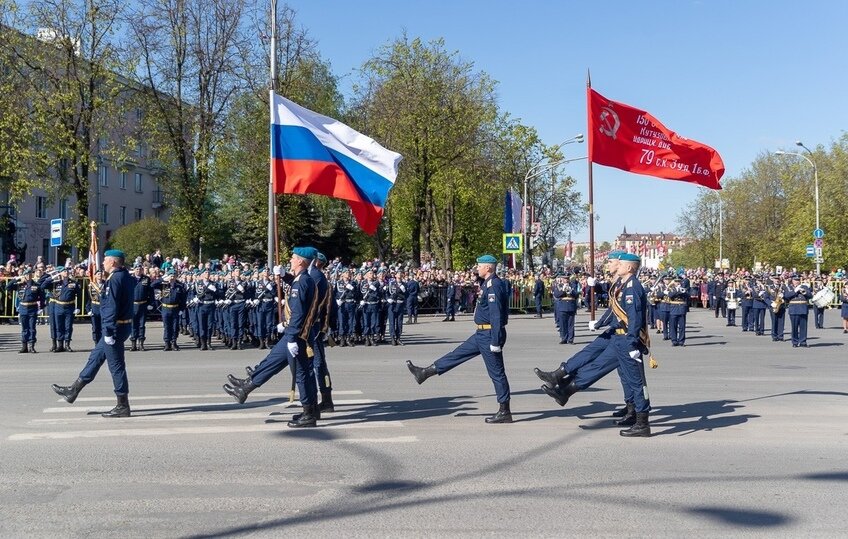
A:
x: 141, y: 237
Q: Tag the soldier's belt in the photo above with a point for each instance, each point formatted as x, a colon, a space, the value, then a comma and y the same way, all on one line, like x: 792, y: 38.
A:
x: 140, y: 302
x: 95, y: 303
x: 566, y: 299
x: 28, y: 303
x: 125, y: 321
x: 62, y: 302
x: 677, y: 303
x: 208, y: 302
x: 621, y: 331
x: 267, y: 300
x: 795, y: 301
x: 170, y: 305
x: 349, y: 300
x: 238, y: 301
x: 371, y: 302
x: 484, y: 326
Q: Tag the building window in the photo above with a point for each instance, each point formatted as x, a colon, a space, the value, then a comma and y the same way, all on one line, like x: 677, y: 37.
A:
x: 104, y: 214
x: 138, y: 115
x: 41, y: 207
x: 104, y: 176
x: 63, y: 209
x: 123, y: 180
x: 123, y: 215
x: 138, y: 182
x: 138, y: 214
x: 45, y: 249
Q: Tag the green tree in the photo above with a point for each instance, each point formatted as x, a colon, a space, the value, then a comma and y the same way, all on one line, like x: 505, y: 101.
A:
x: 141, y: 237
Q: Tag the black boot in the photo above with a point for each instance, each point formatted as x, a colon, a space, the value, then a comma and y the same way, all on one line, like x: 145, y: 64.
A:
x: 53, y: 348
x: 343, y: 342
x: 503, y: 415
x: 350, y: 341
x: 306, y: 419
x: 61, y: 347
x: 326, y: 402
x: 249, y: 371
x: 32, y: 348
x: 263, y: 344
x: 167, y: 346
x: 394, y: 342
x: 237, y: 382
x: 141, y: 345
x: 419, y: 373
x: 561, y: 393
x: 629, y: 418
x: 240, y: 393
x: 122, y: 409
x: 68, y: 346
x: 174, y: 346
x: 368, y: 340
x: 621, y: 412
x: 415, y: 319
x: 551, y: 378
x: 197, y: 343
x: 134, y: 347
x: 640, y: 429
x: 400, y: 342
x: 24, y: 348
x: 209, y: 344
x: 69, y: 393
x: 296, y: 417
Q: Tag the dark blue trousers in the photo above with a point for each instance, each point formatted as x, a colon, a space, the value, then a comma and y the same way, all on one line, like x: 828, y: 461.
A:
x: 63, y: 316
x: 278, y: 359
x: 731, y: 317
x: 96, y: 327
x: 237, y: 318
x: 170, y: 323
x: 347, y: 318
x: 396, y: 320
x: 265, y: 318
x: 205, y: 320
x: 371, y: 319
x: 478, y: 345
x: 677, y: 331
x: 799, y: 328
x: 538, y: 301
x: 566, y: 326
x: 632, y: 373
x: 778, y: 323
x: 319, y: 365
x: 27, y: 318
x: 758, y: 317
x: 139, y: 321
x: 114, y: 357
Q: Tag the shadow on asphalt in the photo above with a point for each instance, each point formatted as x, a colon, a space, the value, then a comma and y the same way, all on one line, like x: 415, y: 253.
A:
x: 741, y: 517
x: 400, y: 410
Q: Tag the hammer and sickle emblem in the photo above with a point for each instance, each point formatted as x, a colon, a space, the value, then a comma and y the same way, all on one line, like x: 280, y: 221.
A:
x: 609, y: 122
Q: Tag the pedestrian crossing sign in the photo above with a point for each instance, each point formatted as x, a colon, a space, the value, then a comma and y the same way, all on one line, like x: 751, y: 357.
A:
x: 512, y: 243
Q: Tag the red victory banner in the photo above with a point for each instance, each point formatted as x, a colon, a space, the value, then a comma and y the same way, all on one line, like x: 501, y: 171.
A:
x: 630, y: 139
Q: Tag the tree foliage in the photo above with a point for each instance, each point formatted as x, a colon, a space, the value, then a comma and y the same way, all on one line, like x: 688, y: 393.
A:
x: 141, y: 237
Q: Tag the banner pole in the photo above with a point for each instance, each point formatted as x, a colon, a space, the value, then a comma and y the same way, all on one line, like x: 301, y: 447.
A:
x: 591, y: 199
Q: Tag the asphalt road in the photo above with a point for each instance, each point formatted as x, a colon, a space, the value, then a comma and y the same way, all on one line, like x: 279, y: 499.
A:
x: 749, y: 440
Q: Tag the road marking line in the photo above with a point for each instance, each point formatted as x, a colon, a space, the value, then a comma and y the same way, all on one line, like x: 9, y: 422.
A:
x: 204, y: 396
x: 185, y: 405
x: 232, y: 416
x: 168, y: 431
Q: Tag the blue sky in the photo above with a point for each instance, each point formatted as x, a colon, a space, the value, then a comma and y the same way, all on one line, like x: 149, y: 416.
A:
x: 745, y: 77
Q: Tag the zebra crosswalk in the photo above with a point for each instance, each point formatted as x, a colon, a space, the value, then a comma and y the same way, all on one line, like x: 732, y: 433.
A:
x: 207, y: 413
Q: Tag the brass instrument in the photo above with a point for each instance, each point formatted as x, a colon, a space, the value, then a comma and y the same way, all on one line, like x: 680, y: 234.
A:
x: 777, y: 303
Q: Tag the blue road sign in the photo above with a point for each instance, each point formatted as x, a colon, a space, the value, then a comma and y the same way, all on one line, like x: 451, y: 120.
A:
x: 56, y: 232
x: 811, y: 251
x: 818, y: 233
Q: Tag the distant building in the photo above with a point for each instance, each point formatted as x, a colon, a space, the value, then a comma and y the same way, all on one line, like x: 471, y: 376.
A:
x: 652, y: 247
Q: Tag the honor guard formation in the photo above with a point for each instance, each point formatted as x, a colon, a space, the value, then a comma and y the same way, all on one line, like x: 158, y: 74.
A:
x: 298, y: 310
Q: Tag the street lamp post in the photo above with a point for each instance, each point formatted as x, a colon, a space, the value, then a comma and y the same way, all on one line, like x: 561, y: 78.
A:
x: 816, y: 182
x: 532, y: 173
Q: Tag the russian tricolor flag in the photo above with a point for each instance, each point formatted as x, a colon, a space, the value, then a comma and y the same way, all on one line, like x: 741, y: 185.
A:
x: 314, y: 154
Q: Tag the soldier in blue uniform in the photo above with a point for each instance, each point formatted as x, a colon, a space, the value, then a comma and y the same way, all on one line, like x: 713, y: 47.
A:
x: 370, y: 302
x: 173, y: 299
x: 346, y: 299
x: 450, y: 302
x: 565, y: 295
x: 412, y: 289
x: 779, y: 294
x: 316, y: 352
x: 291, y: 348
x: 538, y: 294
x: 491, y: 317
x: 65, y: 291
x: 30, y: 295
x: 266, y: 295
x: 761, y: 302
x: 142, y: 304
x: 116, y: 307
x: 238, y: 291
x: 396, y: 298
x: 206, y: 293
x: 818, y: 312
x: 746, y: 304
x: 678, y: 306
x: 799, y: 311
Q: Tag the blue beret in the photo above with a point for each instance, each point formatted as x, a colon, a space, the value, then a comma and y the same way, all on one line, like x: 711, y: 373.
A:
x: 630, y: 257
x: 322, y: 258
x: 170, y: 271
x: 615, y: 255
x: 487, y: 259
x: 305, y: 252
x: 115, y: 252
x: 59, y: 269
x: 27, y: 271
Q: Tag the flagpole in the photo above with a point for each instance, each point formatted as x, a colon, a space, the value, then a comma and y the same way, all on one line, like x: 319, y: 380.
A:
x: 591, y: 200
x: 272, y: 223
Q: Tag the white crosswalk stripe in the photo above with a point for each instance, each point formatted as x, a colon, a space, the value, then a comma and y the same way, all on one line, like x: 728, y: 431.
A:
x: 203, y: 413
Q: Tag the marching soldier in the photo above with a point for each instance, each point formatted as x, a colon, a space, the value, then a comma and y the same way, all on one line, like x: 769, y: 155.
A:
x: 291, y: 348
x: 412, y: 289
x: 173, y: 298
x: 799, y: 310
x: 116, y: 307
x: 346, y: 299
x: 565, y: 295
x: 370, y: 302
x: 238, y: 291
x: 761, y: 302
x: 206, y: 293
x: 266, y: 295
x: 678, y: 306
x: 491, y: 316
x: 142, y: 304
x: 29, y: 297
x: 65, y: 291
x: 779, y: 294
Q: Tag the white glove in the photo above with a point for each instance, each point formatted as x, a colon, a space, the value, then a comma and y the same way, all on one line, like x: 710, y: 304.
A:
x: 362, y: 302
x: 635, y: 354
x: 402, y: 288
x: 40, y: 312
x: 495, y: 349
x: 798, y: 289
x: 211, y: 288
x: 349, y: 286
x: 276, y: 300
x: 280, y: 328
x: 293, y: 348
x: 109, y: 340
x: 269, y: 286
x: 372, y: 287
x: 390, y: 300
x: 240, y: 288
x: 339, y: 302
x: 592, y: 325
x: 150, y: 307
x: 278, y: 270
x: 590, y: 281
x: 76, y: 311
x: 227, y: 301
